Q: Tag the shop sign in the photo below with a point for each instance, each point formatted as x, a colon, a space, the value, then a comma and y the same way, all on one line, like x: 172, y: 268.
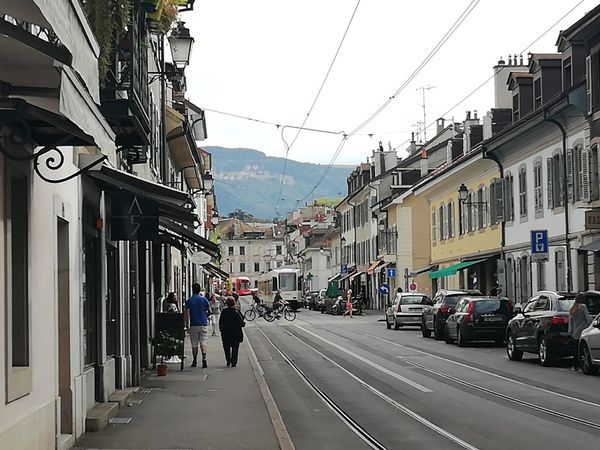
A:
x: 134, y: 218
x: 592, y: 219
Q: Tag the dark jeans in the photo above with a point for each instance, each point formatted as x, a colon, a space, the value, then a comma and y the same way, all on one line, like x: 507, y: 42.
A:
x: 231, y: 351
x: 576, y: 353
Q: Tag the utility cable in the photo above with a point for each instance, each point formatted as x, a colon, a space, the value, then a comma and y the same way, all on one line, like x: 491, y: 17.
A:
x: 289, y: 147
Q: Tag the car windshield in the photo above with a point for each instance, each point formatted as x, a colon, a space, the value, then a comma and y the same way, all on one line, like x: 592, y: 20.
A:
x: 287, y: 281
x: 492, y: 306
x: 451, y: 300
x: 413, y: 300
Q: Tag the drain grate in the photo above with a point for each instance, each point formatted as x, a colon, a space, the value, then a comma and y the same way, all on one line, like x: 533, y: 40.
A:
x: 148, y: 390
x: 120, y: 420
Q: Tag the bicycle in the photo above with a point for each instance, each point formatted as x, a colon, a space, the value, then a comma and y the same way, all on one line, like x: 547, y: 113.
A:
x: 282, y: 310
x: 259, y: 310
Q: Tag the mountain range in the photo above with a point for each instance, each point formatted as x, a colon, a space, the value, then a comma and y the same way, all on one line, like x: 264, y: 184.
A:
x: 250, y: 180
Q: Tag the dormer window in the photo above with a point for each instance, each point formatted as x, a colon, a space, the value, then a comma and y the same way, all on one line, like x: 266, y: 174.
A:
x: 567, y: 74
x: 537, y: 93
x: 515, y: 107
x: 395, y: 179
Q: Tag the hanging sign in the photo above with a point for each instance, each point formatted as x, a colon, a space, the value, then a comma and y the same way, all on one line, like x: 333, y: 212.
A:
x: 134, y: 218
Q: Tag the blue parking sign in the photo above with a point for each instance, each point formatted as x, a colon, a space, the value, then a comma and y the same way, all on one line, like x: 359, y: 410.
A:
x: 539, y: 245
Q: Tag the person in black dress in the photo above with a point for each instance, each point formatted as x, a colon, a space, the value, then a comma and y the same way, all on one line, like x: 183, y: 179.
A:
x: 231, y: 323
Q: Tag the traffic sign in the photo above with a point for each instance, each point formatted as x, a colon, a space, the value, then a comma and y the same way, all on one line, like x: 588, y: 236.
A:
x: 391, y: 272
x: 539, y: 245
x: 344, y: 268
x: 412, y: 286
x: 384, y: 288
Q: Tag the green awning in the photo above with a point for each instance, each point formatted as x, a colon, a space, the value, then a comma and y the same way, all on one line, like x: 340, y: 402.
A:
x: 451, y: 270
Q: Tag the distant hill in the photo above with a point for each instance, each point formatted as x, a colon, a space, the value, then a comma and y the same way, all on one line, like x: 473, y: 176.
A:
x: 249, y: 180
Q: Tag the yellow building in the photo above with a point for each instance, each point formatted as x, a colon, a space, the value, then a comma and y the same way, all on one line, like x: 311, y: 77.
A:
x: 465, y: 236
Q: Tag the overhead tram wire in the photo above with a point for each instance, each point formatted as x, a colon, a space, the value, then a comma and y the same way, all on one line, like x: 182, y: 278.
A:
x: 487, y: 80
x: 289, y: 147
x: 461, y: 18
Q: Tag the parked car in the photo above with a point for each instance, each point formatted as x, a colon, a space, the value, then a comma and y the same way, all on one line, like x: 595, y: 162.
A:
x: 312, y: 299
x: 321, y: 300
x: 589, y: 348
x: 406, y: 309
x: 478, y: 319
x: 433, y: 319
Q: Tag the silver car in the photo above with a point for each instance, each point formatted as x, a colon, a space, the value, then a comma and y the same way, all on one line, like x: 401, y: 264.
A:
x: 406, y: 309
x: 589, y: 348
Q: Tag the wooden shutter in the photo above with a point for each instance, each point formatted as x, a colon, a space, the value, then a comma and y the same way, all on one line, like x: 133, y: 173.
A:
x: 585, y: 175
x: 498, y: 200
x: 433, y: 227
x: 549, y: 183
x: 559, y: 183
x: 588, y: 84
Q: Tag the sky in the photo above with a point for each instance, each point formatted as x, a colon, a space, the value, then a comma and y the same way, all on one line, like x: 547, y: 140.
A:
x: 266, y: 59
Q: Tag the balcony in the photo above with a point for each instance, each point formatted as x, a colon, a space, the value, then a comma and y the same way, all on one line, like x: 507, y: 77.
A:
x: 125, y: 95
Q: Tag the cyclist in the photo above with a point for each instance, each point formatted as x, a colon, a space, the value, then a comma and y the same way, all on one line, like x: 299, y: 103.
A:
x: 260, y: 308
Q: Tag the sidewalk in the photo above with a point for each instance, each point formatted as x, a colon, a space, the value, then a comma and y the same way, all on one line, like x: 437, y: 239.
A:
x: 213, y: 408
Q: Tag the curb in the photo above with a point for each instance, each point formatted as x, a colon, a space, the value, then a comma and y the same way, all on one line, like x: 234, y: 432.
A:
x: 285, y: 442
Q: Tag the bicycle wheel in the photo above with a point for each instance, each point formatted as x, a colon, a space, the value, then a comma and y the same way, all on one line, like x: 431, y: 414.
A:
x: 289, y: 314
x: 250, y: 315
x: 269, y: 316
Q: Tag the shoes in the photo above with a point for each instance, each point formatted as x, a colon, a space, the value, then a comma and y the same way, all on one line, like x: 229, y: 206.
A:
x: 194, y: 363
x: 575, y: 369
x: 214, y: 334
x: 233, y: 365
x: 204, y: 365
x: 228, y: 364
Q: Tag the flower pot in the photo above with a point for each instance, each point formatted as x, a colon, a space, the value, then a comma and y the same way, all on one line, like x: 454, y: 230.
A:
x: 161, y: 370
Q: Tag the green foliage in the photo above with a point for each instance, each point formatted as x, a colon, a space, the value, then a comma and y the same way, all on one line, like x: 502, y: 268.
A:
x: 166, y: 345
x: 165, y: 15
x: 108, y: 19
x: 241, y: 215
x: 327, y: 201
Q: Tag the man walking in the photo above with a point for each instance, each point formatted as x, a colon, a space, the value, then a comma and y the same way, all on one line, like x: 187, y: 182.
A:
x: 196, y: 312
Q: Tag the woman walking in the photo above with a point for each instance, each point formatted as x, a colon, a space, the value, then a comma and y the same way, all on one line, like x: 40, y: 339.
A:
x: 215, y: 312
x: 230, y: 326
x: 579, y: 320
x: 349, y: 303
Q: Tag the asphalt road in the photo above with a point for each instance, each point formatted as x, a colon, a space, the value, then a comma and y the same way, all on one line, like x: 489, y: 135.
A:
x: 345, y: 383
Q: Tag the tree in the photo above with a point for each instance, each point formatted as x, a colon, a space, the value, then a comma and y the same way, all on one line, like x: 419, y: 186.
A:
x: 240, y: 215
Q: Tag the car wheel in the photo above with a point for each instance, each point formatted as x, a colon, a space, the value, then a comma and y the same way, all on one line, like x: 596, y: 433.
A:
x: 460, y: 338
x: 322, y: 310
x: 447, y: 338
x: 585, y: 360
x: 387, y: 323
x: 424, y: 331
x: 437, y: 333
x: 513, y: 353
x: 334, y: 310
x: 544, y: 352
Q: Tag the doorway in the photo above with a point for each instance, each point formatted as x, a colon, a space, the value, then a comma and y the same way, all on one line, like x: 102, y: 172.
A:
x: 64, y: 327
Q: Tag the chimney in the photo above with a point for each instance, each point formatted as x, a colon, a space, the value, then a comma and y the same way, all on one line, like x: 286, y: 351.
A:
x: 475, y: 114
x: 449, y: 151
x: 413, y: 145
x: 424, y: 162
x: 440, y: 125
x: 521, y: 59
x: 468, y: 115
x: 502, y: 96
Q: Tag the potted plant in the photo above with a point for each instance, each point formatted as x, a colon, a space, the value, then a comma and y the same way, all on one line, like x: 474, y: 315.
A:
x: 165, y: 345
x: 162, y: 19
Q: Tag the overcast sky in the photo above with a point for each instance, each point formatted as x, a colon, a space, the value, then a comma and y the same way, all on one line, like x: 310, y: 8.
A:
x: 266, y: 59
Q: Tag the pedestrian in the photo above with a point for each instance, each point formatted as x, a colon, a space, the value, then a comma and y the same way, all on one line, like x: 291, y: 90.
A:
x: 579, y: 320
x: 215, y: 312
x: 196, y: 313
x: 170, y: 303
x: 230, y: 326
x: 349, y: 304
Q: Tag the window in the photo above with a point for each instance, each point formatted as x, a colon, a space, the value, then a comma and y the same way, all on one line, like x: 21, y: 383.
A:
x: 559, y: 266
x: 515, y: 107
x: 441, y: 223
x: 268, y: 266
x: 567, y: 78
x: 594, y: 173
x: 480, y: 209
x: 279, y: 264
x: 538, y: 192
x: 523, y: 191
x: 278, y: 250
x: 592, y: 72
x: 470, y: 213
x: 450, y: 215
x: 257, y: 267
x: 461, y: 218
x: 242, y: 250
x: 433, y: 227
x: 242, y: 267
x: 230, y: 251
x: 554, y: 175
x: 537, y: 93
x: 16, y: 237
x: 230, y: 267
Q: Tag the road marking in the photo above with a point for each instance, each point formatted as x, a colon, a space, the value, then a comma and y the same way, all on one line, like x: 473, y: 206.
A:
x: 386, y: 398
x: 398, y: 377
x: 547, y: 391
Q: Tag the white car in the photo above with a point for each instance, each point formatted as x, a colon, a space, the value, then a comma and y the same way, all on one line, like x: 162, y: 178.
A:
x: 406, y: 309
x: 589, y: 348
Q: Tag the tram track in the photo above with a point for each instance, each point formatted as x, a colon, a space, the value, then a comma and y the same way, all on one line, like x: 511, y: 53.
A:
x: 346, y: 418
x: 490, y: 392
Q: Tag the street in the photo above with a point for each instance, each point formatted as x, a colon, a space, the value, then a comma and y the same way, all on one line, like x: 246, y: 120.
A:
x: 352, y: 384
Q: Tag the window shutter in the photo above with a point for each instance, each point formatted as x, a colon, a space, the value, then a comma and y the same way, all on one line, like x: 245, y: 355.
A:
x: 588, y: 83
x: 549, y: 183
x: 498, y: 200
x: 559, y: 183
x: 445, y: 224
x: 585, y: 175
x: 433, y: 227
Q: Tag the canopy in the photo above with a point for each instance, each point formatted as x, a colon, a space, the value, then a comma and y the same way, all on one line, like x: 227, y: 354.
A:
x: 332, y: 290
x: 593, y: 246
x: 451, y: 270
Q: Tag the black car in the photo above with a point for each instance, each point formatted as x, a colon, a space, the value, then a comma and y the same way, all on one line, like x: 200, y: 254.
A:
x: 542, y: 326
x: 478, y: 319
x: 433, y: 319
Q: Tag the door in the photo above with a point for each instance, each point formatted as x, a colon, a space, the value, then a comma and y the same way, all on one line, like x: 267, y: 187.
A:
x: 91, y: 305
x: 532, y: 322
x: 518, y: 326
x: 64, y: 329
x: 112, y: 307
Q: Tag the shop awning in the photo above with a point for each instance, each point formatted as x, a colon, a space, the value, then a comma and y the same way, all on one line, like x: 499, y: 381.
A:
x: 215, y: 271
x: 333, y: 278
x: 348, y: 275
x: 196, y: 240
x: 414, y: 273
x: 357, y: 274
x: 593, y: 246
x: 374, y: 265
x: 451, y: 270
x: 182, y: 149
x: 172, y: 203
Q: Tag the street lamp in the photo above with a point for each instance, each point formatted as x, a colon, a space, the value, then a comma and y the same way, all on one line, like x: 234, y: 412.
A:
x: 214, y: 220
x: 381, y: 225
x: 181, y: 44
x: 219, y: 240
x: 463, y: 195
x: 208, y: 182
x: 343, y: 240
